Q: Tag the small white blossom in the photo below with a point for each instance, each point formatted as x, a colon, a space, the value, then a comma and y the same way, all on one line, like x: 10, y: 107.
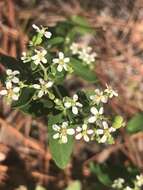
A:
x: 43, y: 87
x: 39, y: 57
x: 74, y: 104
x: 105, y: 132
x: 62, y: 131
x: 83, y: 132
x: 128, y: 188
x: 42, y: 31
x: 96, y: 114
x: 118, y: 183
x: 62, y: 62
x: 74, y: 48
x: 139, y: 180
x: 86, y: 55
x: 11, y: 76
x: 11, y: 93
x: 99, y: 97
x: 110, y: 92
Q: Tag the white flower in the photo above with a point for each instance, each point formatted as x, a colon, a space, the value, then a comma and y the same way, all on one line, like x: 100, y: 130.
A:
x: 62, y: 132
x: 96, y: 114
x: 128, y: 188
x: 62, y: 62
x: 11, y: 93
x: 42, y: 31
x: 39, y: 57
x: 83, y: 132
x: 43, y: 87
x: 110, y: 92
x: 99, y: 97
x: 74, y: 104
x: 118, y: 183
x: 105, y: 132
x: 139, y: 180
x: 11, y: 76
x: 74, y: 48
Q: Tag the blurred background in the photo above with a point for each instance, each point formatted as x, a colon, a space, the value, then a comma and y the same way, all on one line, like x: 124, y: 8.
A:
x: 25, y: 160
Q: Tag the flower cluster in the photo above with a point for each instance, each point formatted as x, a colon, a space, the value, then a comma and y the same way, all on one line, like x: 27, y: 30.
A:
x: 12, y: 88
x: 119, y: 184
x: 82, y: 117
x: 84, y: 53
x: 95, y: 125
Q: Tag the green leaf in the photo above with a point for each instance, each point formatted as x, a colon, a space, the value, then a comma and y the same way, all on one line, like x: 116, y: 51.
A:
x: 11, y: 63
x: 83, y: 71
x: 135, y: 124
x: 39, y: 187
x: 25, y: 98
x: 118, y: 122
x: 61, y: 153
x: 101, y: 174
x: 55, y: 41
x: 81, y: 21
x: 75, y: 185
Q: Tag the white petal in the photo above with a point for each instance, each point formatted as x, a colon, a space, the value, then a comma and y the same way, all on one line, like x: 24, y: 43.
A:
x: 34, y: 57
x: 36, y: 27
x: 66, y: 59
x: 65, y: 67
x: 56, y: 60
x: 70, y: 131
x: 44, y: 60
x: 105, y: 125
x: 48, y: 34
x: 9, y: 72
x: 94, y: 111
x: 15, y: 97
x: 41, y: 81
x: 61, y: 55
x: 67, y: 104
x: 65, y: 124
x: 40, y: 93
x: 75, y: 97
x: 103, y: 139
x: 92, y: 119
x: 111, y: 129
x: 15, y: 80
x: 56, y: 136
x: 90, y: 131
x: 75, y: 110
x: 99, y: 131
x: 79, y: 104
x: 8, y: 85
x: 101, y: 110
x: 49, y: 84
x: 60, y: 68
x: 16, y: 72
x: 56, y: 127
x: 78, y: 136
x: 86, y: 138
x: 16, y: 89
x: 64, y: 139
x: 3, y: 92
x: 36, y: 86
x: 78, y: 129
x: 104, y: 99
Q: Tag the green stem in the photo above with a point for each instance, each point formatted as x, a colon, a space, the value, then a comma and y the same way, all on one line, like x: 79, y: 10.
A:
x: 44, y: 71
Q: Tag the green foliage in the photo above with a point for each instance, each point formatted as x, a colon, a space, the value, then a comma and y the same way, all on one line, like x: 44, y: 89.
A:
x: 75, y: 185
x: 135, y: 124
x: 60, y: 152
x: 83, y: 71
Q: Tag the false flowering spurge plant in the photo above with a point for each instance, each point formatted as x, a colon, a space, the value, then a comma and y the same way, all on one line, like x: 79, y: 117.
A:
x: 120, y: 184
x: 35, y: 85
